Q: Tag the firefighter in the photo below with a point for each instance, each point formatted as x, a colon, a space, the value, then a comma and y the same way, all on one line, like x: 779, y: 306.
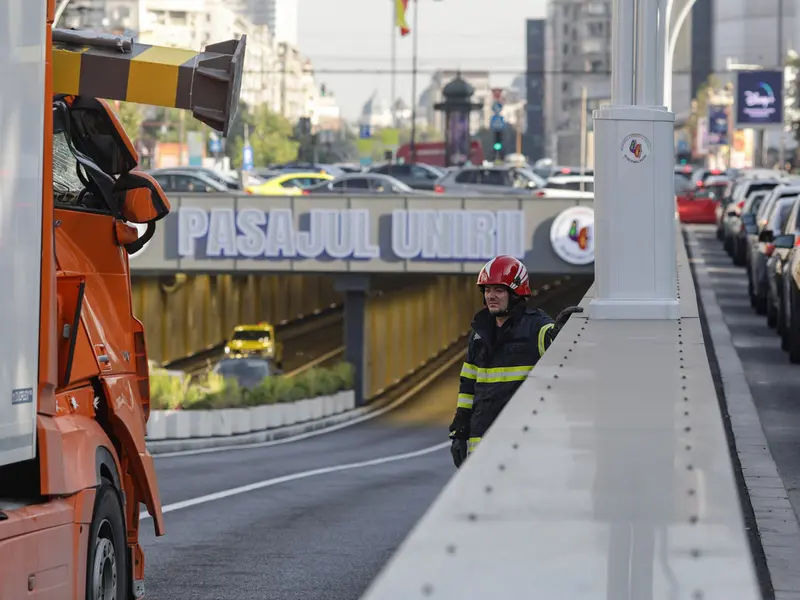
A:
x: 506, y: 341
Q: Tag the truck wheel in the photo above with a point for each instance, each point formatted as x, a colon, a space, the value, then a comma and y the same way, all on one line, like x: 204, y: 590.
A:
x: 107, y: 567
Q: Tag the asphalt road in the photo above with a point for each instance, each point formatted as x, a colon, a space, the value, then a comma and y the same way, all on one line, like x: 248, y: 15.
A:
x: 774, y: 382
x: 324, y: 536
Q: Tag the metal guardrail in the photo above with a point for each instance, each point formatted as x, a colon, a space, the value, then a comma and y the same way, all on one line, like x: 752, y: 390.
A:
x: 608, y: 476
x: 316, y: 362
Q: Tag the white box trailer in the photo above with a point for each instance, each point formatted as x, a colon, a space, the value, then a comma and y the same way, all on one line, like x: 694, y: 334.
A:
x: 22, y: 70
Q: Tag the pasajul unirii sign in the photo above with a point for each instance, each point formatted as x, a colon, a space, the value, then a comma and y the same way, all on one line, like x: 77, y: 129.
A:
x: 349, y: 234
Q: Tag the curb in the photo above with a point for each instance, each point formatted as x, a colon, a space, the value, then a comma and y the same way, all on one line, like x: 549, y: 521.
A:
x: 157, y: 447
x: 769, y: 506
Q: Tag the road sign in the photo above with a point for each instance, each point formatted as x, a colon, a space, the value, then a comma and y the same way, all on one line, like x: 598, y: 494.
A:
x: 497, y: 123
x: 214, y: 145
x: 247, y: 158
x: 364, y: 132
x: 497, y: 108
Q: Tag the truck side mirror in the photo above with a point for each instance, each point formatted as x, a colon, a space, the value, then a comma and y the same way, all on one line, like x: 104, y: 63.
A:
x: 141, y: 198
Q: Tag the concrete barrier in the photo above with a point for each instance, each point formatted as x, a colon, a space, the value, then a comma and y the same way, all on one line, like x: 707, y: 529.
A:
x: 197, y: 424
x: 608, y: 476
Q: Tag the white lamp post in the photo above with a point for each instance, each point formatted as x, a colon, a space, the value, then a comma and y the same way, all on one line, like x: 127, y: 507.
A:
x: 635, y: 235
x: 674, y: 32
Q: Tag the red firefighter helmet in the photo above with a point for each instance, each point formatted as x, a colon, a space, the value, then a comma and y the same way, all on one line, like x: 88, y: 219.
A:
x: 508, y: 271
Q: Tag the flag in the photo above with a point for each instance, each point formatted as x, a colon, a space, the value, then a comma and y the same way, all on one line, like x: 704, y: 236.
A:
x: 401, y: 6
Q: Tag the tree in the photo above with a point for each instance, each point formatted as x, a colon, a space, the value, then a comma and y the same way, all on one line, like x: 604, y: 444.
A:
x: 131, y: 116
x: 270, y: 137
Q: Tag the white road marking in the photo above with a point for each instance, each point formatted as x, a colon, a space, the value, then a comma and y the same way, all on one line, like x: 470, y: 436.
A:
x: 294, y: 477
x: 302, y: 436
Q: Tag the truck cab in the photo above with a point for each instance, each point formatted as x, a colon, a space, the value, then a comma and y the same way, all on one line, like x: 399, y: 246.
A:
x: 74, y: 468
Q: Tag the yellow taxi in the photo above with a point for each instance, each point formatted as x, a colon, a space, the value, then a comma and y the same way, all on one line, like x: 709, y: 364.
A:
x: 288, y: 184
x: 258, y: 340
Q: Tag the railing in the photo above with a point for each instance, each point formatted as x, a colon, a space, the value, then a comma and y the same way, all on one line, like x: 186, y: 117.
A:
x: 608, y: 476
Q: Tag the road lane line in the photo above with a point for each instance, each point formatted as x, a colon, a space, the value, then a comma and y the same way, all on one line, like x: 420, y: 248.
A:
x: 294, y: 477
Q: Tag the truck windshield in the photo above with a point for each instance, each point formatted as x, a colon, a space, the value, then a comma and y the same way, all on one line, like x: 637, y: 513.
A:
x: 66, y: 184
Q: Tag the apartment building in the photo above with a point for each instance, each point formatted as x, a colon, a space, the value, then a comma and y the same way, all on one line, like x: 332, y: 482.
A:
x: 281, y: 16
x: 577, y: 60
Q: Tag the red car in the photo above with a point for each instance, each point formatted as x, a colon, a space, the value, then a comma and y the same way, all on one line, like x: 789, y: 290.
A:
x: 699, y: 205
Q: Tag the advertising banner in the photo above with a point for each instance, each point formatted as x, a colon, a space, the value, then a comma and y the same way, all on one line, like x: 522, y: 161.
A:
x: 718, y: 125
x: 759, y: 99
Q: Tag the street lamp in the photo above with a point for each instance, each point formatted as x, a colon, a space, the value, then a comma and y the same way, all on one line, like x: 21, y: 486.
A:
x: 669, y: 47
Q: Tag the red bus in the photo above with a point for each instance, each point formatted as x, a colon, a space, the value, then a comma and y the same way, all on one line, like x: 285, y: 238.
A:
x: 433, y: 153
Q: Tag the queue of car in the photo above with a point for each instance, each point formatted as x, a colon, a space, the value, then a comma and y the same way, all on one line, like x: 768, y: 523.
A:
x: 758, y: 223
x: 295, y: 179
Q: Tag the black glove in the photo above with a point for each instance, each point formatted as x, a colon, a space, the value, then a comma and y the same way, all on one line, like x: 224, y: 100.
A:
x: 459, y: 433
x: 564, y: 315
x: 459, y: 451
x: 459, y: 428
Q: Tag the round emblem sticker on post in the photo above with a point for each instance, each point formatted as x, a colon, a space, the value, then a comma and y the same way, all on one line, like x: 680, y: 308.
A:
x: 635, y: 148
x: 572, y: 235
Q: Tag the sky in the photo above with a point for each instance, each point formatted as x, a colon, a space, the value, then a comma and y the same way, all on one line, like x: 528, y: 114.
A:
x: 355, y: 35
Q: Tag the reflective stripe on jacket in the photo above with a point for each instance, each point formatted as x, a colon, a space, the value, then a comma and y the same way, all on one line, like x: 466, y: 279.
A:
x: 498, y: 361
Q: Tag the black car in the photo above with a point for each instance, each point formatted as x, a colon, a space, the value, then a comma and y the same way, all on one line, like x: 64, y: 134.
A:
x: 418, y: 176
x: 248, y: 372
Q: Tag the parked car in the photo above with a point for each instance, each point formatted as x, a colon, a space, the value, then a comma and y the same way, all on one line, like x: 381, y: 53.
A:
x: 229, y: 182
x: 743, y: 225
x: 417, y: 176
x: 769, y: 225
x: 786, y: 275
x: 790, y: 330
x: 181, y: 181
x: 291, y: 183
x: 777, y: 265
x: 362, y: 183
x: 699, y: 205
x: 502, y: 180
x: 576, y: 183
x: 731, y: 222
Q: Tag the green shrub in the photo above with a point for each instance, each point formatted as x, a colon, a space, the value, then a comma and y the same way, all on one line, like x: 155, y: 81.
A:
x: 169, y: 391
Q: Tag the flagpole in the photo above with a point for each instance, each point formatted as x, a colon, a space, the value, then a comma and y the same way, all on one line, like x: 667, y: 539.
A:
x: 394, y: 62
x: 413, y: 145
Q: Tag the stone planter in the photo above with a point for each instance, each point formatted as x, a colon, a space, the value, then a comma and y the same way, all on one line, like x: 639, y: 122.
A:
x: 185, y: 424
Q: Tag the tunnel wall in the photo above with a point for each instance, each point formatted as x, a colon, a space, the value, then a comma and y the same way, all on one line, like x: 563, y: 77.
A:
x: 406, y: 328
x: 189, y: 313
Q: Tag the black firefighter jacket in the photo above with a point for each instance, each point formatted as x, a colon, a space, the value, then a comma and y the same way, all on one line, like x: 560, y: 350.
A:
x: 498, y: 361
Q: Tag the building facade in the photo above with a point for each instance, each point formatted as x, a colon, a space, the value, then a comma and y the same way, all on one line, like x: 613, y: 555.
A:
x: 534, y: 138
x: 577, y: 65
x: 281, y: 16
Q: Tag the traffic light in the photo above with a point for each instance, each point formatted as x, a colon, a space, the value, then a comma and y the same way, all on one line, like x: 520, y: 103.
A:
x: 498, y: 143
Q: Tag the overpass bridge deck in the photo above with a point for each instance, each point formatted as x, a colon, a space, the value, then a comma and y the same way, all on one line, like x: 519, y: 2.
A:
x: 607, y: 476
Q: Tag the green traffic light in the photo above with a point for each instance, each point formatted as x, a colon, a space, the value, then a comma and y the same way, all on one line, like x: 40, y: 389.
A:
x: 498, y: 146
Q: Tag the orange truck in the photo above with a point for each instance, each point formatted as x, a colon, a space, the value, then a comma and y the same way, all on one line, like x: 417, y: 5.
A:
x: 74, y: 388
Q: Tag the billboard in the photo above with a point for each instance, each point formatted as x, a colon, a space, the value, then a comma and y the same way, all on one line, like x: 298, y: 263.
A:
x: 718, y: 125
x: 759, y: 99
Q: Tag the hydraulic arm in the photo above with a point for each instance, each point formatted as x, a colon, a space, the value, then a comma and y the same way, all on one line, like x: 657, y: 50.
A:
x: 113, y: 67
